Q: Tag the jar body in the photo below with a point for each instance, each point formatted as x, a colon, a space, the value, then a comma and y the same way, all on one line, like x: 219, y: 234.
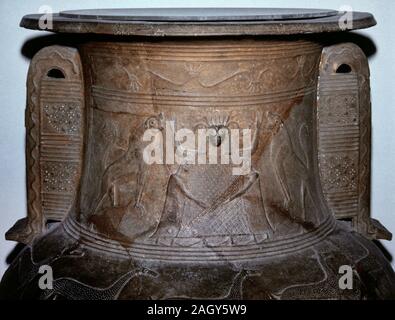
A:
x: 197, y: 230
x: 265, y: 86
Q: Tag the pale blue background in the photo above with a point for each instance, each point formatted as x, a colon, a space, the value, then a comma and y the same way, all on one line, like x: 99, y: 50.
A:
x: 13, y: 70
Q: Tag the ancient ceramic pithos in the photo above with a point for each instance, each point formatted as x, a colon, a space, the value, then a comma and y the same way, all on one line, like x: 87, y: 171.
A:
x: 112, y: 226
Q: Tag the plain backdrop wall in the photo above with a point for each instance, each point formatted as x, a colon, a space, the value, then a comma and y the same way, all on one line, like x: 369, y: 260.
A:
x: 14, y: 66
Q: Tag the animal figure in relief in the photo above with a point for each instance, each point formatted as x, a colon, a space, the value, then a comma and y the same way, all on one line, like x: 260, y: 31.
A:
x: 122, y: 186
x: 208, y: 200
x: 75, y: 290
x: 295, y: 198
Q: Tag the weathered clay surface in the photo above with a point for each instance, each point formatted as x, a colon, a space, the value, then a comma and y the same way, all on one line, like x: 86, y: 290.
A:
x: 182, y: 231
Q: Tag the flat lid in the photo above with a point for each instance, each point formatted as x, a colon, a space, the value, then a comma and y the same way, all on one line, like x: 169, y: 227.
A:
x: 158, y: 22
x: 198, y: 14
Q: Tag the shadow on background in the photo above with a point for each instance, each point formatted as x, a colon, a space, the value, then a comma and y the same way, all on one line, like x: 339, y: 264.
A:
x: 33, y: 45
x: 383, y: 250
x: 364, y: 42
x: 14, y: 252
